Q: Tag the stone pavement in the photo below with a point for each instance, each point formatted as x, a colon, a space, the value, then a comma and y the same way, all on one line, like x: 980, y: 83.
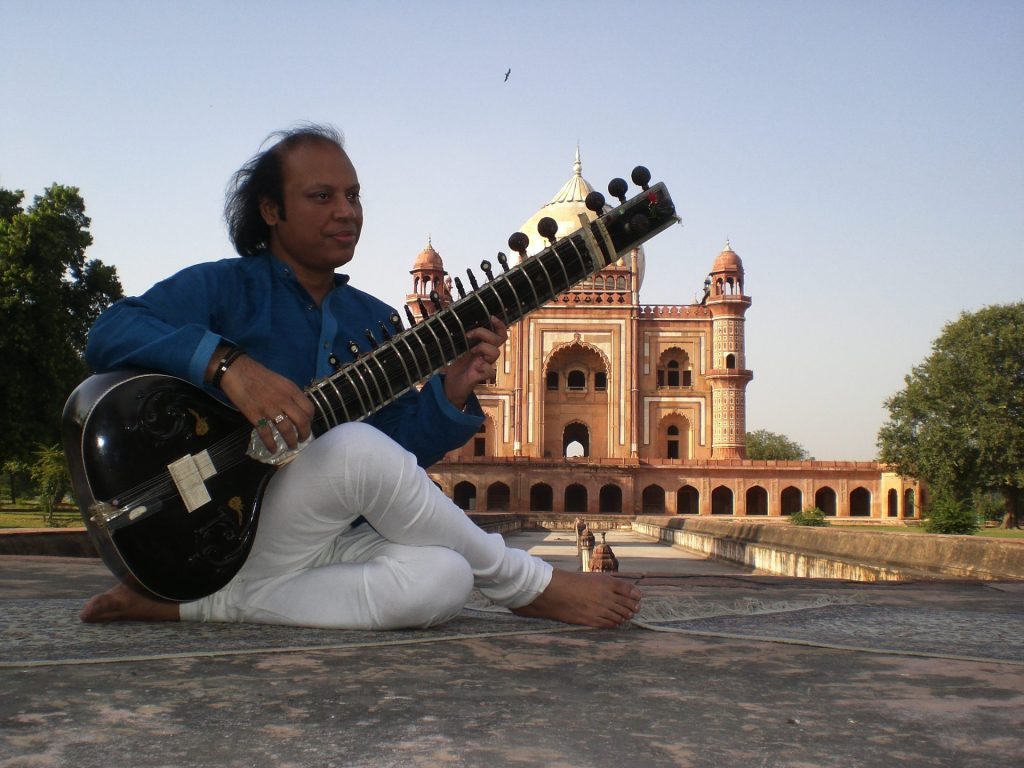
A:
x: 730, y: 668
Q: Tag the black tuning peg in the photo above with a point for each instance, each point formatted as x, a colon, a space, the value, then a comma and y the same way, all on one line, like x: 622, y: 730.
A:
x: 396, y: 322
x: 503, y: 260
x: 485, y: 265
x: 459, y: 288
x: 384, y: 332
x: 370, y: 338
x: 409, y: 315
x: 595, y: 203
x: 334, y: 361
x: 641, y: 177
x: 353, y: 348
x: 472, y: 279
x: 617, y: 188
x: 518, y: 242
x: 435, y: 299
x: 423, y: 307
x: 547, y: 228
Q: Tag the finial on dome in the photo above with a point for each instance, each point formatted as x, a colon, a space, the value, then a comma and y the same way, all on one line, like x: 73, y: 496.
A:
x: 577, y: 167
x: 728, y: 245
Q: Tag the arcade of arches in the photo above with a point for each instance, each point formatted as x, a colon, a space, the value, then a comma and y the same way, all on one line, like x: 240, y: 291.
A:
x: 603, y: 405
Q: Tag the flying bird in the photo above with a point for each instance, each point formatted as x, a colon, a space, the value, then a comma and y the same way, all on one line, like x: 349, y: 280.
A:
x: 507, y: 73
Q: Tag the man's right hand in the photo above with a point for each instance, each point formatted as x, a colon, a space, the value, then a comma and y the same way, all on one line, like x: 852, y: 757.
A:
x: 264, y: 398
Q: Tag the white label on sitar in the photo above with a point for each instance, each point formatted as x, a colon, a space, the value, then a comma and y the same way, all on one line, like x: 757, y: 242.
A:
x: 188, y: 474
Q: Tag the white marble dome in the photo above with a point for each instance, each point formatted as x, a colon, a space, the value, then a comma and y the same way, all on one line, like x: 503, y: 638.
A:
x: 564, y: 208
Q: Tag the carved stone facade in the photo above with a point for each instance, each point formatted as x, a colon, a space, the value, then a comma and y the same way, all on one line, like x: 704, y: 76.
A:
x: 601, y: 404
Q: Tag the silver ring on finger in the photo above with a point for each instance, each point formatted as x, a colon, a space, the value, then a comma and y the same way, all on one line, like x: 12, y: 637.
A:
x: 279, y: 418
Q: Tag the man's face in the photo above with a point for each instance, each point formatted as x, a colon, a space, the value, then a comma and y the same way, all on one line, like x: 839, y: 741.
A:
x: 324, y: 215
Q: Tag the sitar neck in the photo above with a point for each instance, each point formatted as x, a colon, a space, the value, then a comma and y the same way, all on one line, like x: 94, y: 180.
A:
x: 384, y: 374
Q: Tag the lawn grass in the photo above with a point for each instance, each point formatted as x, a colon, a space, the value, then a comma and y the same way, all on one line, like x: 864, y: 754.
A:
x: 988, y: 533
x: 33, y: 517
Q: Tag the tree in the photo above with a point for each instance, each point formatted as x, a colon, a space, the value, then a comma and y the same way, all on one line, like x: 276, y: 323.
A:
x: 50, y: 473
x: 50, y: 295
x: 762, y: 444
x: 959, y: 421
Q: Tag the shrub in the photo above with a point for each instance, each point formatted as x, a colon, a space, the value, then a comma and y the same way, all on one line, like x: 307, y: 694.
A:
x: 950, y: 515
x: 809, y: 517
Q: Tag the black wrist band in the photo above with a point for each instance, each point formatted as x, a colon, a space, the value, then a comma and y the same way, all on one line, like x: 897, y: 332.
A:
x: 225, y: 362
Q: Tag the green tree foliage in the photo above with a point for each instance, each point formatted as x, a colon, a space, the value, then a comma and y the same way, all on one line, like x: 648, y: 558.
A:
x: 50, y: 295
x: 50, y: 473
x: 959, y: 421
x: 762, y: 444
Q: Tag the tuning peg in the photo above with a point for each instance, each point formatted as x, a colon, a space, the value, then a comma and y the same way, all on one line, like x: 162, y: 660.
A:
x: 409, y: 315
x: 459, y: 288
x: 334, y: 361
x: 547, y: 228
x: 617, y: 188
x: 641, y: 177
x: 503, y: 260
x: 370, y: 338
x: 435, y: 299
x: 384, y: 332
x: 396, y: 322
x: 519, y: 242
x: 595, y: 203
x: 485, y: 265
x: 423, y: 307
x: 472, y: 279
x: 353, y: 348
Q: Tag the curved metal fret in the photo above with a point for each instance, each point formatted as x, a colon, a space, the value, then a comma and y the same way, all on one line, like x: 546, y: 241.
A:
x: 341, y: 399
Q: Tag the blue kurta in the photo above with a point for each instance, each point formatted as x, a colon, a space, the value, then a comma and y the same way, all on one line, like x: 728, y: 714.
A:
x: 256, y: 303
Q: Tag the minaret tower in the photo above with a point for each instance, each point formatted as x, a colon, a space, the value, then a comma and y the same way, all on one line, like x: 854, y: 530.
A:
x: 728, y: 375
x: 427, y: 275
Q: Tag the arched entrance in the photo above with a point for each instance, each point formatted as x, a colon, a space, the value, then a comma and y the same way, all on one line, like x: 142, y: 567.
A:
x: 464, y: 496
x: 860, y: 502
x: 610, y: 500
x: 653, y: 500
x: 541, y: 498
x: 825, y: 500
x: 498, y: 495
x: 792, y: 501
x: 757, y: 501
x: 575, y: 434
x: 721, y: 501
x: 575, y: 498
x: 688, y: 500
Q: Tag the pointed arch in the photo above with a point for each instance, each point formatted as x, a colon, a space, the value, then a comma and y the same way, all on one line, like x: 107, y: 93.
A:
x: 688, y: 501
x: 576, y: 498
x: 576, y: 432
x: 792, y: 500
x: 464, y: 495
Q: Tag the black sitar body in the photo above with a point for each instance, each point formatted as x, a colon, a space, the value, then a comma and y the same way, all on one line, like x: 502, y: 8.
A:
x: 121, y: 430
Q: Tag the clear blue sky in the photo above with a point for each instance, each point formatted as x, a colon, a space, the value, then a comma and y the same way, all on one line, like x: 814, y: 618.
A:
x: 866, y: 159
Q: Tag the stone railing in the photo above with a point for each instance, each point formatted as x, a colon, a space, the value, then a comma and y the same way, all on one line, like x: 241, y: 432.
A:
x: 790, y: 550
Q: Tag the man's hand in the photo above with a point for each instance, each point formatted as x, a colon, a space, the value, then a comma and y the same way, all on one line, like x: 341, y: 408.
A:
x: 477, y: 365
x: 266, y: 398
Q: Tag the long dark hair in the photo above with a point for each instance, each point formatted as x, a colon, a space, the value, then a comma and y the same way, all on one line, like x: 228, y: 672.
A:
x: 261, y: 178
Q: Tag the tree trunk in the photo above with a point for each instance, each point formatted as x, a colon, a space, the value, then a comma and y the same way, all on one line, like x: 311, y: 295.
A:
x: 1011, y: 519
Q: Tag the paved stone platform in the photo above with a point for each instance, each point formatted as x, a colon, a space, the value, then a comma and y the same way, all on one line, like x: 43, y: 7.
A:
x: 724, y: 668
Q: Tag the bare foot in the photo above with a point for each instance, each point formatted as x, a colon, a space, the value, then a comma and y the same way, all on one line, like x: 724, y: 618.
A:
x: 123, y: 604
x: 590, y: 599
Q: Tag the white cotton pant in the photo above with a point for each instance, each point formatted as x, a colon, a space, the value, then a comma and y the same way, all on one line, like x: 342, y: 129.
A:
x: 413, y: 566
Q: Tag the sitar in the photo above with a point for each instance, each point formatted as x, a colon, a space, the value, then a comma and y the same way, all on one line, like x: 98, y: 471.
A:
x: 169, y: 480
